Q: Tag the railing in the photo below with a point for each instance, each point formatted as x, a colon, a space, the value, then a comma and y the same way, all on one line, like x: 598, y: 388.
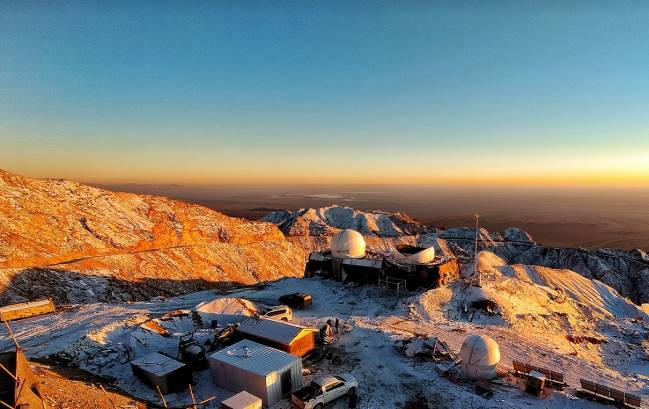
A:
x: 552, y: 376
x: 610, y: 393
x: 397, y: 283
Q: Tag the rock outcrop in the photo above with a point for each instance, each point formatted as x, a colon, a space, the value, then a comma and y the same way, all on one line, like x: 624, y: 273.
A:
x: 328, y: 220
x: 626, y: 271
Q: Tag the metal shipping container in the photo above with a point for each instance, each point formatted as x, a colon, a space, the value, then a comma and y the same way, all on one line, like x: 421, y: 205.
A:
x: 265, y: 372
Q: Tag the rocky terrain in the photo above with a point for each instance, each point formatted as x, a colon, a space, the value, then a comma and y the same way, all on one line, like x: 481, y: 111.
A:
x: 625, y: 271
x: 573, y: 310
x: 78, y: 243
x: 328, y: 220
x: 589, y: 332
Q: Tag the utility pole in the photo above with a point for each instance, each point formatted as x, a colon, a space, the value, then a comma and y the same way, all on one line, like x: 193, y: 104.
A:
x: 476, y: 273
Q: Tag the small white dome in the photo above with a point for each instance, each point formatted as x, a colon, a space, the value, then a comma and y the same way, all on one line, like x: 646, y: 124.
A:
x: 480, y: 357
x: 423, y: 256
x: 348, y: 244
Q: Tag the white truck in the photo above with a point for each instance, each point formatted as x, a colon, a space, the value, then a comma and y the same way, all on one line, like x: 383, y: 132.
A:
x: 323, y: 390
x: 279, y: 313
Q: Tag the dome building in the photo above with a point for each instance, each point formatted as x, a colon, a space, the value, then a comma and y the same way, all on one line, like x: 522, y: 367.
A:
x: 348, y: 243
x: 404, y: 267
x: 480, y: 357
x: 413, y: 256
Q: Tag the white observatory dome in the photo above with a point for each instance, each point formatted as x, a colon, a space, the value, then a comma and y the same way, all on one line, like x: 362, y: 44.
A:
x: 480, y: 356
x: 348, y: 244
x: 414, y: 255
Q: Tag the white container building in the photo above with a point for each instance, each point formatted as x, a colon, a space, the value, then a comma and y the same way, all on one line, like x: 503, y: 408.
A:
x: 265, y: 372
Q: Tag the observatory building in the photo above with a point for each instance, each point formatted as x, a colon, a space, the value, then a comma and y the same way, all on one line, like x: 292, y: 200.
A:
x: 480, y: 357
x: 347, y: 244
x: 406, y: 266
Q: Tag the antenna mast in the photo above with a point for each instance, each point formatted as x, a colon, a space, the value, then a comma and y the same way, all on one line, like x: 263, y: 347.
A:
x: 476, y: 273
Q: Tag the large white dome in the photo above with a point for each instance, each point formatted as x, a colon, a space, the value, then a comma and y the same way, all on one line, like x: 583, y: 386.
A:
x: 348, y: 244
x: 480, y: 357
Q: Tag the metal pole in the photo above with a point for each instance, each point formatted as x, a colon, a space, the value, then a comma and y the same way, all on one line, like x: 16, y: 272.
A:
x: 164, y: 402
x: 475, y: 252
x: 107, y: 397
x: 191, y: 393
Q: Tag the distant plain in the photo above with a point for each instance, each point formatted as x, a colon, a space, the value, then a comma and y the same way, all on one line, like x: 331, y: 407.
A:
x: 616, y: 218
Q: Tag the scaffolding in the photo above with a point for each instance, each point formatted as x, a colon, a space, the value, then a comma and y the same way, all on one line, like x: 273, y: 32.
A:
x: 389, y: 283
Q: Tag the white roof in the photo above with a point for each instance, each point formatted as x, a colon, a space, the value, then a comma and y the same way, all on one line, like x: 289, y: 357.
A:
x: 261, y: 360
x: 348, y: 244
x: 241, y: 400
x: 158, y: 364
x: 279, y: 331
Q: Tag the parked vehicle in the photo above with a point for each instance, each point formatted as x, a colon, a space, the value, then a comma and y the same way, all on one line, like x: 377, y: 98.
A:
x: 280, y: 313
x: 191, y: 352
x: 323, y: 391
x: 296, y: 300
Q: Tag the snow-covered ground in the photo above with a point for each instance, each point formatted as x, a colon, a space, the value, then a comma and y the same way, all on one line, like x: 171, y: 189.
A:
x: 97, y: 336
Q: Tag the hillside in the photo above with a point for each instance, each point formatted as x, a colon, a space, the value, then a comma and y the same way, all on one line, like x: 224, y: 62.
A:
x: 80, y: 243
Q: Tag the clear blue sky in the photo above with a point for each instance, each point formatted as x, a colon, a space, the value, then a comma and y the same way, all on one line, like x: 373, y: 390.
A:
x: 229, y: 92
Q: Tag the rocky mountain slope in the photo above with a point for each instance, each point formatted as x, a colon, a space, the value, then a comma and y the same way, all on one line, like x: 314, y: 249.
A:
x: 80, y: 243
x: 625, y: 271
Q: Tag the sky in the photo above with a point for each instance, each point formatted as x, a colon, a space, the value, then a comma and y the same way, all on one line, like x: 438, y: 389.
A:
x: 336, y: 92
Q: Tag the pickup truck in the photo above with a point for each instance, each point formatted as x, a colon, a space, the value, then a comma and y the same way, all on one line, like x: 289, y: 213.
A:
x: 279, y: 313
x: 323, y: 390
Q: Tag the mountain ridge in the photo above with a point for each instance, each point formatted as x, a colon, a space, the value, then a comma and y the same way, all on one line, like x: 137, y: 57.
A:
x: 73, y: 230
x: 627, y: 271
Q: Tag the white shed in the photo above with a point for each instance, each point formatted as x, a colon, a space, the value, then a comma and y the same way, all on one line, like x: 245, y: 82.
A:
x: 242, y: 400
x: 265, y: 372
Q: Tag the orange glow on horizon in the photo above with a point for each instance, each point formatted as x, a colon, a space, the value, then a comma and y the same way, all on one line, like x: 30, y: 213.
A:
x: 329, y: 167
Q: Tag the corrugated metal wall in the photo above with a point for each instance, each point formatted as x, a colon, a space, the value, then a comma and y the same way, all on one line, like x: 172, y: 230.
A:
x: 274, y: 381
x: 268, y: 389
x: 236, y: 379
